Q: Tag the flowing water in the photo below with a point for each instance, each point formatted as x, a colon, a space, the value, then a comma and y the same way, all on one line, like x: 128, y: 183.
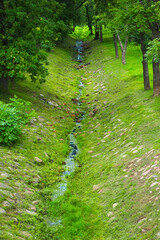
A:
x: 70, y: 164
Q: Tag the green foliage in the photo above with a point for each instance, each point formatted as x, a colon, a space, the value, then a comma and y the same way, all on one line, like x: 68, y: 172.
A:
x: 81, y: 33
x: 12, y: 117
x: 27, y: 28
x: 153, y: 52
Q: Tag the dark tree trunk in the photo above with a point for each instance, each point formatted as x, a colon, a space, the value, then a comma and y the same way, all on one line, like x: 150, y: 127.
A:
x: 3, y: 84
x: 145, y: 63
x: 116, y: 46
x: 74, y: 27
x: 89, y: 20
x: 154, y: 27
x: 101, y: 34
x: 156, y: 79
x: 96, y: 28
x: 156, y: 74
x: 3, y: 80
x: 96, y: 32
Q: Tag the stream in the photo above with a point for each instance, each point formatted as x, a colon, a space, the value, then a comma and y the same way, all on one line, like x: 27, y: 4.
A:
x: 70, y: 163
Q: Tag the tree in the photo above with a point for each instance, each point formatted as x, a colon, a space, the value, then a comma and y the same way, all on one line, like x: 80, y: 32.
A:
x: 89, y: 15
x: 25, y: 28
x: 145, y: 15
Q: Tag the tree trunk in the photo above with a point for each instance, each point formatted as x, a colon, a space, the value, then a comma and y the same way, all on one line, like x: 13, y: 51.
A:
x: 101, y: 34
x: 145, y: 63
x: 146, y: 74
x: 124, y: 56
x: 156, y: 79
x: 123, y: 49
x: 3, y: 84
x: 91, y: 30
x: 89, y: 20
x: 116, y: 46
x: 96, y: 28
x: 96, y: 32
x: 156, y: 74
x: 74, y: 27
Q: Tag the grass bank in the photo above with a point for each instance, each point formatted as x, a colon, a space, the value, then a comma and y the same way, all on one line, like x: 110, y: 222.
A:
x: 30, y: 168
x: 115, y: 191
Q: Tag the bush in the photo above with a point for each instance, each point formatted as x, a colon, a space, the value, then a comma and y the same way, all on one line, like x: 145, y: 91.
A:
x: 12, y: 117
x: 81, y: 33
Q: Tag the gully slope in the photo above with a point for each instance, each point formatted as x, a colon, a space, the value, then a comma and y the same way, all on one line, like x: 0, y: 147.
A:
x: 30, y: 169
x: 115, y: 191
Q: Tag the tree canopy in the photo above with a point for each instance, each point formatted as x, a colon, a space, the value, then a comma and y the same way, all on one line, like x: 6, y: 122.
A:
x: 29, y: 28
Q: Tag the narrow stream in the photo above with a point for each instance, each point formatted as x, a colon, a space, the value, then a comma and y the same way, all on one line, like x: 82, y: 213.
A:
x: 70, y: 164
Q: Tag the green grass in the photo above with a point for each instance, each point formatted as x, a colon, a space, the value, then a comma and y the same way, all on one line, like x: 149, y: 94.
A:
x: 115, y: 153
x: 45, y: 138
x: 113, y: 194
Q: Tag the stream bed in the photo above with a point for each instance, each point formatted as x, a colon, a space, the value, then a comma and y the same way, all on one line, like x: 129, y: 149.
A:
x: 70, y: 163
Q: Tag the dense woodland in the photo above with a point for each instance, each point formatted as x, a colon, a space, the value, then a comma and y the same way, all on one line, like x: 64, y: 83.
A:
x: 29, y: 27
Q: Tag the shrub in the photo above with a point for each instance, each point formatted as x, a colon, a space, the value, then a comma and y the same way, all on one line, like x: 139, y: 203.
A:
x: 12, y: 117
x: 81, y: 33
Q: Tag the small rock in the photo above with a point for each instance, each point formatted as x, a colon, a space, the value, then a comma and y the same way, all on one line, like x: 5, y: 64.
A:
x: 33, y: 120
x: 35, y: 202
x: 46, y: 153
x: 101, y: 191
x: 5, y: 175
x: 41, y: 119
x: 135, y: 151
x: 115, y: 205
x: 155, y: 176
x: 25, y: 234
x: 39, y: 138
x: 36, y: 180
x: 10, y: 234
x: 15, y: 220
x: 153, y: 184
x: 31, y: 212
x: 96, y: 187
x: 54, y: 104
x: 90, y: 151
x: 96, y: 155
x: 141, y: 220
x: 91, y: 114
x: 158, y: 234
x: 2, y: 211
x: 145, y: 173
x: 2, y: 185
x: 28, y: 192
x: 109, y: 214
x: 5, y: 192
x: 6, y: 204
x: 38, y: 160
x: 32, y: 208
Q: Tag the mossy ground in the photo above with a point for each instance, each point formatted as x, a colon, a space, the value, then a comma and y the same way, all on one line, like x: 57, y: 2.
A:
x: 30, y: 181
x: 114, y: 193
